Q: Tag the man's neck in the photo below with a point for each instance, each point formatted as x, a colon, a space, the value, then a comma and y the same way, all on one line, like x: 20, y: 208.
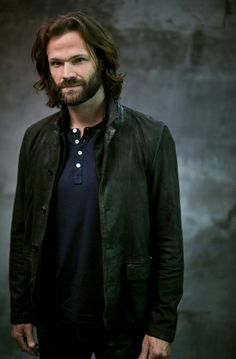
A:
x: 89, y: 113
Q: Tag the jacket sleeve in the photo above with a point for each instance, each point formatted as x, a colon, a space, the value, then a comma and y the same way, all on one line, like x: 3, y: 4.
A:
x: 166, y: 245
x: 19, y: 265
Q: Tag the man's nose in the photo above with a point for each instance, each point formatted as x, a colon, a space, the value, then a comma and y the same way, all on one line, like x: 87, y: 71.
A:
x: 68, y: 70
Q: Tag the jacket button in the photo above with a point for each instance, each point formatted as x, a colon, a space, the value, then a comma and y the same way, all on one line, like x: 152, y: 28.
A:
x: 43, y: 210
x: 50, y: 173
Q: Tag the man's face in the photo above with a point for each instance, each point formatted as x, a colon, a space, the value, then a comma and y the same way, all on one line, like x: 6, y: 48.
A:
x: 73, y: 69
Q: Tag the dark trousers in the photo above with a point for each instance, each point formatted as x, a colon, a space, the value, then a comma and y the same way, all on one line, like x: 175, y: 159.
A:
x: 78, y: 342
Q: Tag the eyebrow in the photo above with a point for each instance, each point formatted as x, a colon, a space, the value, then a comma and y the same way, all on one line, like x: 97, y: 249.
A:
x: 52, y: 59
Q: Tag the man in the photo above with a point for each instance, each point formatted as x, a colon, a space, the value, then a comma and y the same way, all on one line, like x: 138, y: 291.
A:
x: 96, y: 260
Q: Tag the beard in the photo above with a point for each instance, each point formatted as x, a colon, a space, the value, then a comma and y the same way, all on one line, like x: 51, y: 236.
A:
x: 76, y: 96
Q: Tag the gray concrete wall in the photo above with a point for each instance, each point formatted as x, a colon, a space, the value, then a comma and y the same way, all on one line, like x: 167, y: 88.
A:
x: 179, y: 57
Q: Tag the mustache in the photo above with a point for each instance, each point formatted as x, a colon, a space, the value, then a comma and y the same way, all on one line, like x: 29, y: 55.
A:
x: 71, y: 81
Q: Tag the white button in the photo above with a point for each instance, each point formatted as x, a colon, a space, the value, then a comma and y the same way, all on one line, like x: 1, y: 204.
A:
x: 74, y: 130
x: 77, y: 141
x: 80, y: 153
x: 78, y: 165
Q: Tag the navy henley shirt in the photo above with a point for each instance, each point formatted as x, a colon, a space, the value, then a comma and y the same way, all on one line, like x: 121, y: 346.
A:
x: 76, y: 284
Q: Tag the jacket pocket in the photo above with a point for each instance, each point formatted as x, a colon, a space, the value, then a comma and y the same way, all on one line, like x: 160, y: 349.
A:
x: 138, y: 270
x: 137, y: 277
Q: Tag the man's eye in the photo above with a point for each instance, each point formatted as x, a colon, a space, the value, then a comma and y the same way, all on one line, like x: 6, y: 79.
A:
x: 78, y: 60
x: 55, y: 63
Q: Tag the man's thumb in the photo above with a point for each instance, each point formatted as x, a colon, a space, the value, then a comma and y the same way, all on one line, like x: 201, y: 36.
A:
x: 145, y: 349
x: 29, y: 336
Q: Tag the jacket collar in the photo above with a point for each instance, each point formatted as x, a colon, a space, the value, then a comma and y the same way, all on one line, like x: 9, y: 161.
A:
x: 113, y: 114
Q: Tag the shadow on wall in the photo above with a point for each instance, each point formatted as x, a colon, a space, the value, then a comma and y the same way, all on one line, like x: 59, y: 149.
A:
x: 208, y: 321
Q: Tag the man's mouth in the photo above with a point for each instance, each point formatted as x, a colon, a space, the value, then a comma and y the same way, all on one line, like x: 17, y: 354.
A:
x: 70, y: 85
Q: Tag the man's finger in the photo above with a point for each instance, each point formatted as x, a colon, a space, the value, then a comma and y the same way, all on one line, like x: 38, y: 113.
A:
x: 143, y: 354
x: 20, y: 340
x: 29, y: 337
x: 145, y: 349
x: 23, y: 336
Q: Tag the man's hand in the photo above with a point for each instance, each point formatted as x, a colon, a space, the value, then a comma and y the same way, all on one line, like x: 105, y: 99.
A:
x: 154, y: 348
x: 23, y: 335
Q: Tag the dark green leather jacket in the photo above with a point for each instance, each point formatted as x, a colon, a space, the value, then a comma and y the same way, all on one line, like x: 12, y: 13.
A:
x: 139, y: 214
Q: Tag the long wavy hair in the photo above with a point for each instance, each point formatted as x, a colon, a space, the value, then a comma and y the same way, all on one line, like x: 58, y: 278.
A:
x: 99, y: 42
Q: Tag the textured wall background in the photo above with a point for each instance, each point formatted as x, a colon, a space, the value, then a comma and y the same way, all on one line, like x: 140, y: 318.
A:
x: 179, y: 57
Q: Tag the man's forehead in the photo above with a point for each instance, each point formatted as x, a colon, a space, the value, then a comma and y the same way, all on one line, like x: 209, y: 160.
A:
x: 69, y: 39
x: 71, y: 42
